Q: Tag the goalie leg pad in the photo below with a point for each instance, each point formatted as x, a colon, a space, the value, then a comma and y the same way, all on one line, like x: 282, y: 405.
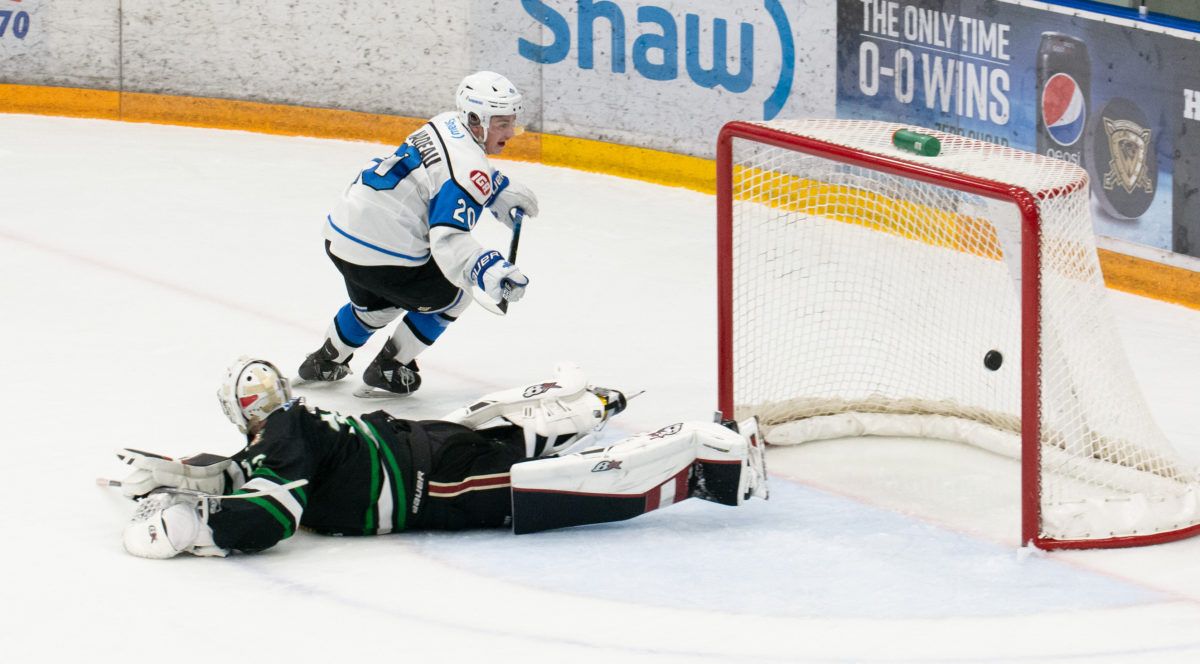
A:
x: 732, y: 463
x: 639, y: 474
x: 632, y: 477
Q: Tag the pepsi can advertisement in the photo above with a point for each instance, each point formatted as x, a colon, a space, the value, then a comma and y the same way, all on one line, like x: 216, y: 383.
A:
x: 1069, y: 85
x: 1063, y: 77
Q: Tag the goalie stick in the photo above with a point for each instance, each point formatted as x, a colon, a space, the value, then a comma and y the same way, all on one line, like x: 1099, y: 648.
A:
x: 257, y: 493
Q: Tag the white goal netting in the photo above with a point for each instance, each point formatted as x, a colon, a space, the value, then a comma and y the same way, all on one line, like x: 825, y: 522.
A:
x: 865, y: 299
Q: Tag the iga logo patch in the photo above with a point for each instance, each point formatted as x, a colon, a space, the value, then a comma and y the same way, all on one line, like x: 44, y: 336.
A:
x: 482, y: 182
x: 540, y: 388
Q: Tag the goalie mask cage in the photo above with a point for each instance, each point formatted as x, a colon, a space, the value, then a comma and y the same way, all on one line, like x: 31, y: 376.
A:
x: 861, y: 287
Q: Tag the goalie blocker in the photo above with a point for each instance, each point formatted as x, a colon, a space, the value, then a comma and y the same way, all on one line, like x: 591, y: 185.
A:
x: 523, y: 457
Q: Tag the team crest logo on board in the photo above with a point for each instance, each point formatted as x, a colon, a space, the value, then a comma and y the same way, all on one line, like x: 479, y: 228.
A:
x: 1128, y: 143
x: 1123, y: 159
x: 1063, y: 109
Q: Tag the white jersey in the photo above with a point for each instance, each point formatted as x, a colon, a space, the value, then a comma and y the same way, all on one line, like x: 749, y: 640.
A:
x: 439, y: 178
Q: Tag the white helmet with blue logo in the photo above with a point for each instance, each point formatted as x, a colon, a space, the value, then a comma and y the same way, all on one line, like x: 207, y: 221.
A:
x: 486, y: 94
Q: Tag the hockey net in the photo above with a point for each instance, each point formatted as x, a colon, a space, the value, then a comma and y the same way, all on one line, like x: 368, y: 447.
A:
x: 861, y: 288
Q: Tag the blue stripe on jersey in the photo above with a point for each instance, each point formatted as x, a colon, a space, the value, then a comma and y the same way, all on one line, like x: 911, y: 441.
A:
x: 453, y: 207
x: 426, y: 327
x: 371, y: 246
x: 350, y: 328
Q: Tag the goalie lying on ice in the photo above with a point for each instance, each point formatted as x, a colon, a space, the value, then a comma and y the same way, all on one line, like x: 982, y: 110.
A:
x: 523, y: 457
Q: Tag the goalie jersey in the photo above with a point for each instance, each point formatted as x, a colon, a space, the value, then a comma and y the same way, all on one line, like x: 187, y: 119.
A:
x: 367, y: 475
x: 439, y: 177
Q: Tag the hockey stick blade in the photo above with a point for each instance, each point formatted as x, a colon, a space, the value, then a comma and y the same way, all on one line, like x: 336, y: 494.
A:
x: 369, y: 392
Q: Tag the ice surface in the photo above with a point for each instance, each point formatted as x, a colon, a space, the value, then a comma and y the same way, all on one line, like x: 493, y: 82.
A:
x: 136, y: 261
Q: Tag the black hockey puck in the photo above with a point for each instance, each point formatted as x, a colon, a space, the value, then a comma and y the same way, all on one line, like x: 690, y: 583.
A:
x: 993, y: 359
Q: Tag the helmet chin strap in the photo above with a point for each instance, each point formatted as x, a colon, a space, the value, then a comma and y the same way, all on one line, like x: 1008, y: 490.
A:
x: 481, y: 140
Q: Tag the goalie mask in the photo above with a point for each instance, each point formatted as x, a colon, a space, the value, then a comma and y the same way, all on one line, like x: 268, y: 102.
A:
x: 251, y: 391
x: 483, y: 95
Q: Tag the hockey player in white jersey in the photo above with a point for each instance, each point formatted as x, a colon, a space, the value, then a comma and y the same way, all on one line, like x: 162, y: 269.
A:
x: 401, y: 237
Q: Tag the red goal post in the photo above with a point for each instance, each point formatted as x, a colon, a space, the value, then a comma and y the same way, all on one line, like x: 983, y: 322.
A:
x: 815, y: 218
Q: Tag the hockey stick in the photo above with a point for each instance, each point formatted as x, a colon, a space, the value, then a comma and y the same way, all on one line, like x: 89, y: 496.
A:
x: 518, y: 216
x: 501, y: 308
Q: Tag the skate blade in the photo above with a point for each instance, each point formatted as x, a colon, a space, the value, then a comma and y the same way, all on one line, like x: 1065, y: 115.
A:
x: 368, y: 392
x: 297, y: 381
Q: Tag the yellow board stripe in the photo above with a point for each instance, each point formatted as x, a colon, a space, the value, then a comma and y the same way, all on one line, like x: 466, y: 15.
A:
x: 874, y: 211
x: 675, y: 170
x: 72, y: 102
x: 1150, y: 278
x: 1127, y: 273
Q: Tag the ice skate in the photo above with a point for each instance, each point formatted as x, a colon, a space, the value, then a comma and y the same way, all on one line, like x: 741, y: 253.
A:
x: 387, y: 377
x: 321, y: 366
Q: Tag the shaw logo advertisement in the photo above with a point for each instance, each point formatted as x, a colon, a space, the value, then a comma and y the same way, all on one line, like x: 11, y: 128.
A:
x: 717, y: 51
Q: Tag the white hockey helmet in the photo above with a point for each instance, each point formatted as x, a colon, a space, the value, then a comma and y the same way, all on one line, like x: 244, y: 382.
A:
x: 252, y: 390
x: 485, y: 94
